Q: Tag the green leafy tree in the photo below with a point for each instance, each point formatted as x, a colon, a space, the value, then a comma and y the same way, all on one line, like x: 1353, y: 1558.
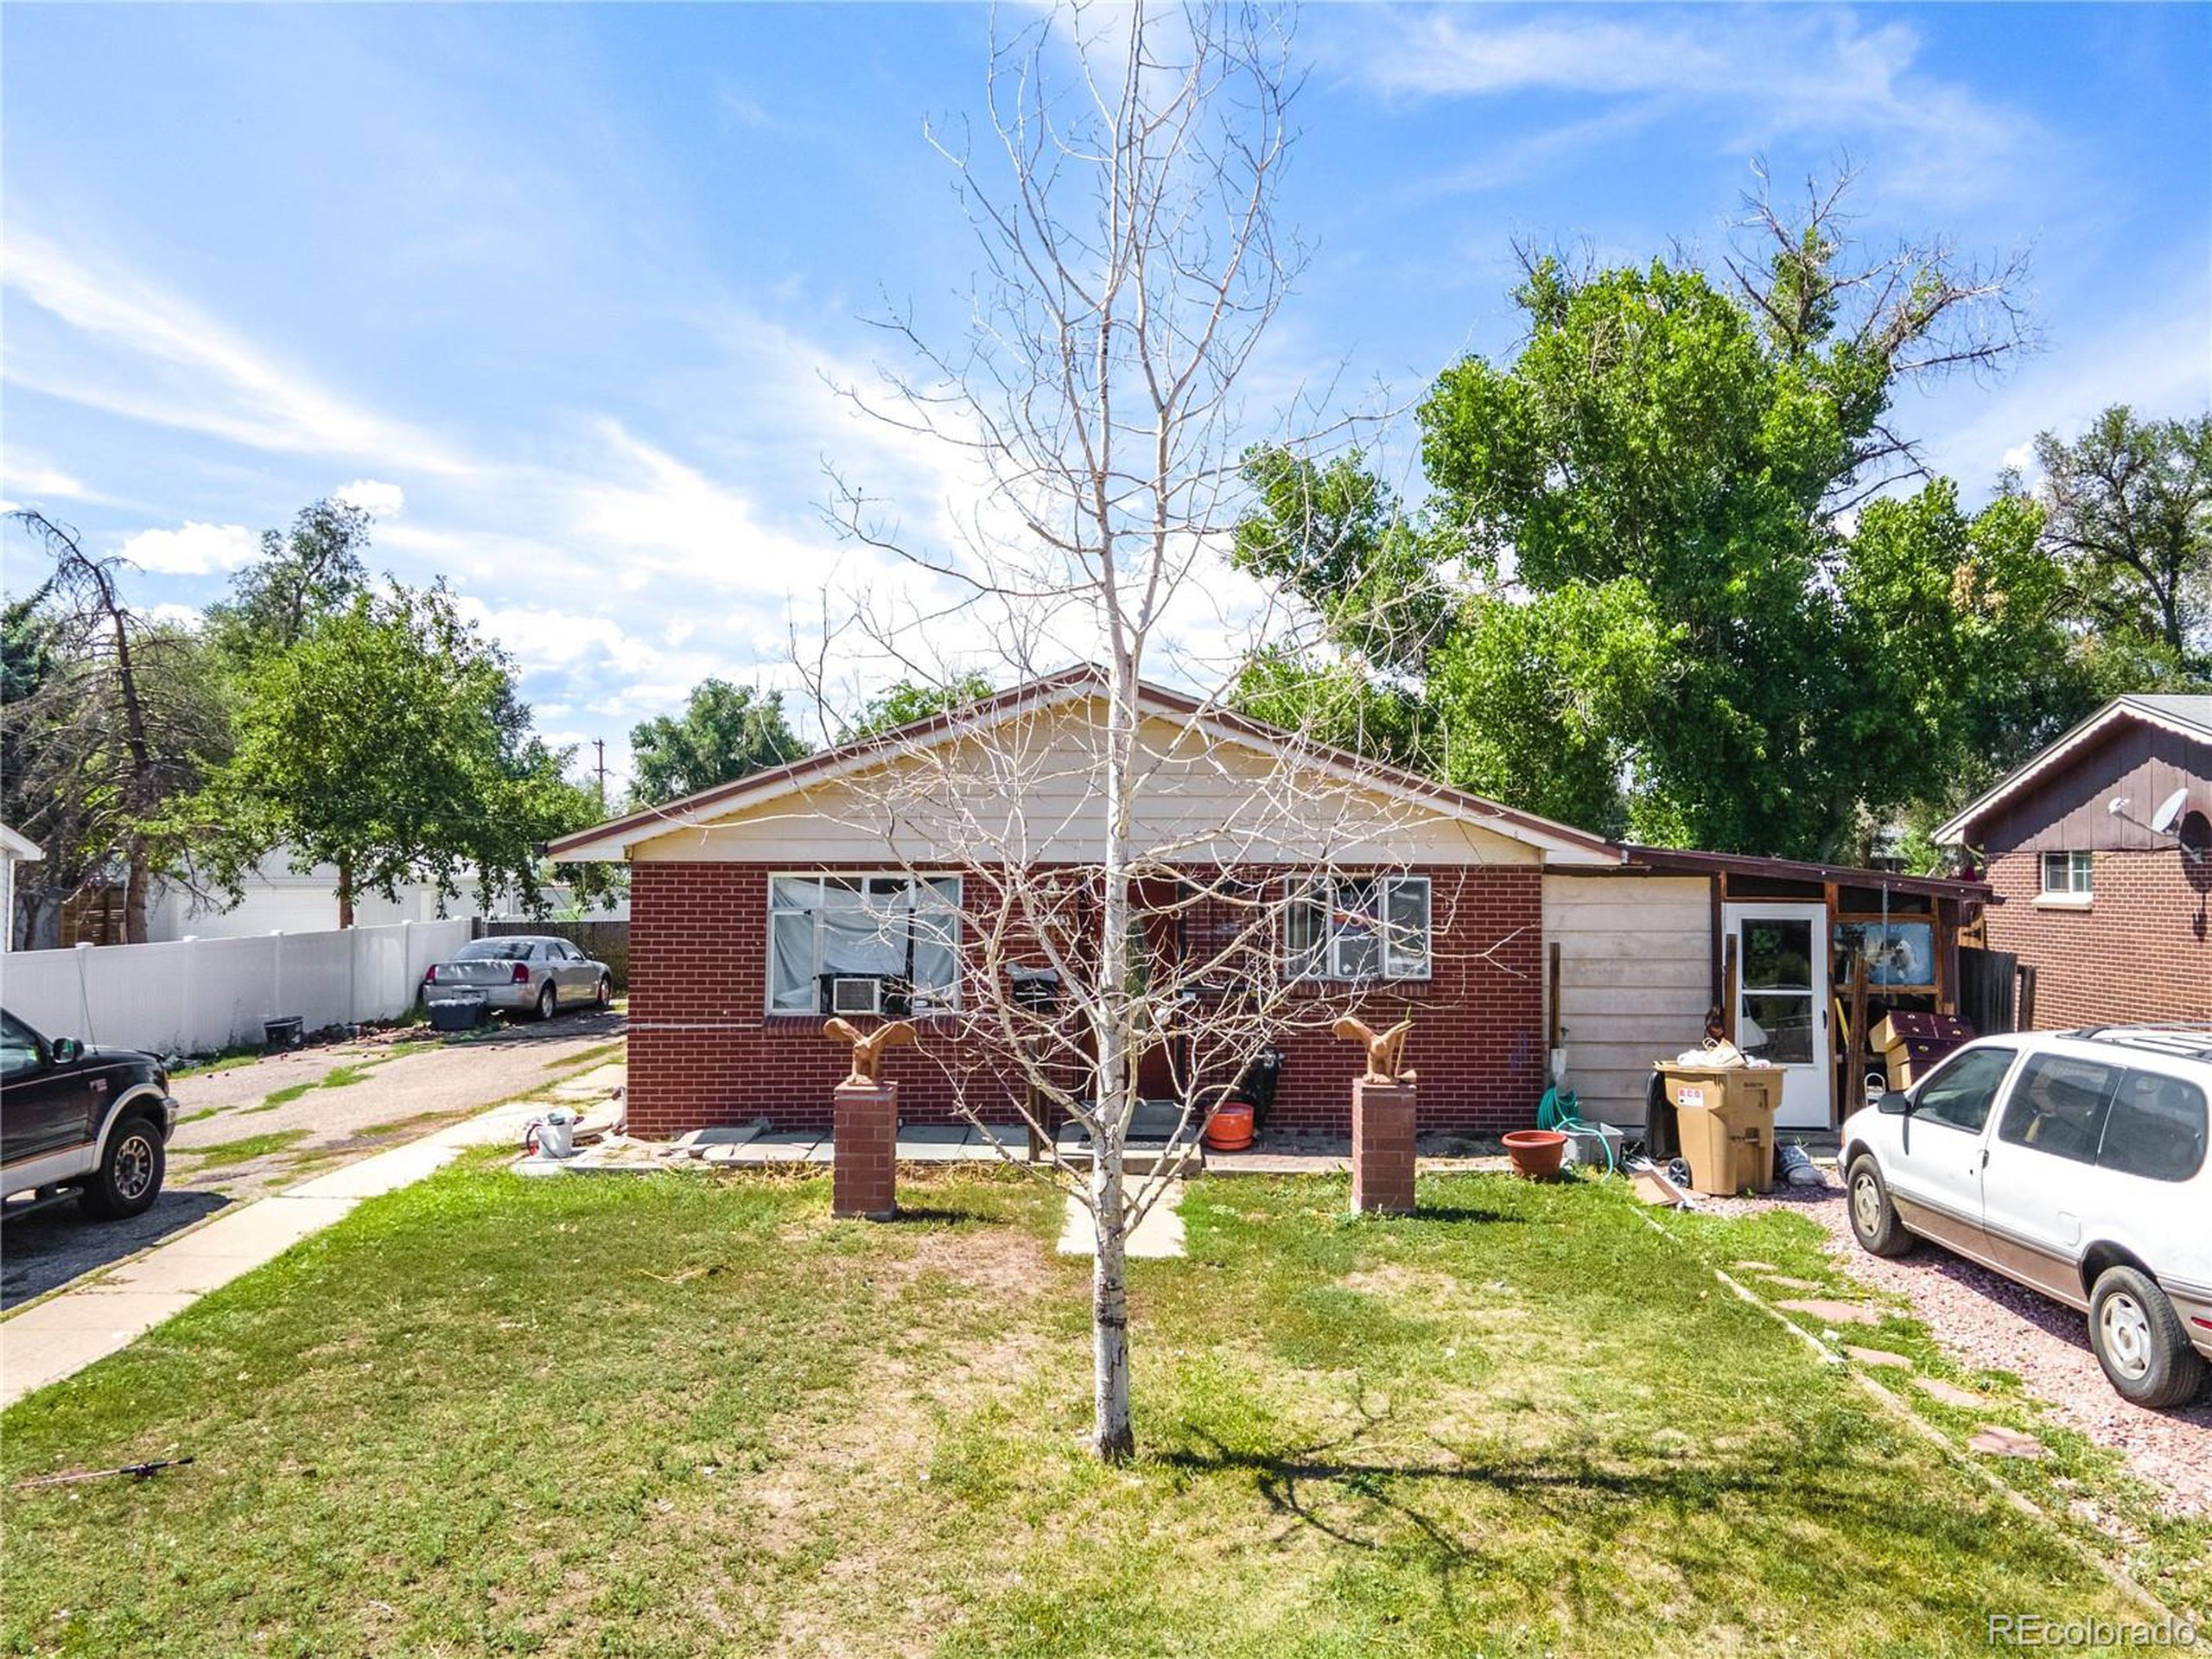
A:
x: 1960, y: 657
x: 2128, y: 513
x: 1657, y: 587
x: 309, y: 572
x: 908, y: 701
x: 387, y: 740
x: 724, y: 732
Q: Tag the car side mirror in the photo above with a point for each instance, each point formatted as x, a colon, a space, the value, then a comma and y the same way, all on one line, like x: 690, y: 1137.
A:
x: 1894, y: 1104
x: 68, y: 1051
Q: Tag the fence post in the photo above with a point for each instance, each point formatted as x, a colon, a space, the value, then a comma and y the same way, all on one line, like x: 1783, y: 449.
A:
x: 84, y: 991
x: 187, y: 1038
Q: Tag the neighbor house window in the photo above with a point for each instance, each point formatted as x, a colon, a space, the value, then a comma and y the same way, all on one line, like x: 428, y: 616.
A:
x: 2068, y: 873
x: 901, y: 931
x: 1358, y: 927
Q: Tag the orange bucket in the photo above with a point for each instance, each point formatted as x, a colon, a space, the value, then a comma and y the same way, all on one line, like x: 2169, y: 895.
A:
x: 1230, y: 1129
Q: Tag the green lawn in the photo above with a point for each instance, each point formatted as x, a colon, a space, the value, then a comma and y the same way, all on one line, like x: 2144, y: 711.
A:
x: 666, y: 1415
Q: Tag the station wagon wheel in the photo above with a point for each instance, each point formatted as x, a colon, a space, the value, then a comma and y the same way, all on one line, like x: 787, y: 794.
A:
x: 129, y: 1179
x: 2139, y: 1340
x: 1874, y: 1220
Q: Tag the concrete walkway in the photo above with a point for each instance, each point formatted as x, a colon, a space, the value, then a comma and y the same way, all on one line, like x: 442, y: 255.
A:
x: 90, y: 1321
x: 1159, y: 1236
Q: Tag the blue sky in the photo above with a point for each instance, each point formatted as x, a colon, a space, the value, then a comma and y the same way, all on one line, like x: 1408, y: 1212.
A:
x: 562, y: 292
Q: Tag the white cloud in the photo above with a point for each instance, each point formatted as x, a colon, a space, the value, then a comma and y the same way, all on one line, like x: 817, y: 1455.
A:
x: 187, y: 371
x: 541, y: 640
x: 32, y: 479
x: 373, y: 497
x: 194, y: 550
x: 1761, y: 74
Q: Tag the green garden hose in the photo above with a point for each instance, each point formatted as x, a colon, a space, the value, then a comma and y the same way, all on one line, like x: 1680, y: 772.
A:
x: 1562, y: 1112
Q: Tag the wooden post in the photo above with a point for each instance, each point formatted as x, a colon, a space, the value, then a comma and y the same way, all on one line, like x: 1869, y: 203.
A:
x: 1553, y: 1031
x: 1855, y: 1079
x: 863, y: 1172
x: 1381, y: 1148
x: 1728, y: 987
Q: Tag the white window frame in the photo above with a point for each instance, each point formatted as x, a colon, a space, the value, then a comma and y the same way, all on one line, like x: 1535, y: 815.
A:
x: 2079, y: 887
x: 939, y: 1004
x: 1324, y: 960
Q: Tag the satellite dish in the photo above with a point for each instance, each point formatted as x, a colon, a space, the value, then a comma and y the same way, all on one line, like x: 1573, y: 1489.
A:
x: 2169, y: 812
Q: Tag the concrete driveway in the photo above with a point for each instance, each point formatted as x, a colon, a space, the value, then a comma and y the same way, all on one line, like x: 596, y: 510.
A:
x: 253, y: 1130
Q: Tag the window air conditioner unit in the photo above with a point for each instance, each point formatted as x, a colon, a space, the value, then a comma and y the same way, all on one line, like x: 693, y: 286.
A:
x: 855, y: 996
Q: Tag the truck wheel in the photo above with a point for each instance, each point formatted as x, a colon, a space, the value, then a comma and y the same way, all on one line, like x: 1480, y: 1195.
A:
x: 1874, y: 1220
x: 2139, y: 1341
x: 129, y: 1179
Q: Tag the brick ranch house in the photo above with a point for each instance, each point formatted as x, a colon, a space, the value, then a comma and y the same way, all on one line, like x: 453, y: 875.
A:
x: 1499, y: 931
x: 2099, y: 854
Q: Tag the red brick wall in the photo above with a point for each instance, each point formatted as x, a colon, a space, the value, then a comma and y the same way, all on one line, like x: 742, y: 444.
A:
x: 702, y: 1051
x: 2141, y: 952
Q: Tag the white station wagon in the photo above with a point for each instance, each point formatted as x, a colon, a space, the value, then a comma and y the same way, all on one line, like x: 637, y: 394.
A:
x: 2073, y: 1162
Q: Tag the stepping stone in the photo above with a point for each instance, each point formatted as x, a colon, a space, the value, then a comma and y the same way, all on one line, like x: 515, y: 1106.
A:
x: 1833, y: 1312
x: 1996, y: 1440
x: 1949, y: 1394
x: 1753, y: 1267
x: 1793, y: 1284
x: 1878, y: 1356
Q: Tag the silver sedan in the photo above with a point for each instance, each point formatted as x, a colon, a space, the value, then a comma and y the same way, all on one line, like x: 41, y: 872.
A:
x: 521, y: 973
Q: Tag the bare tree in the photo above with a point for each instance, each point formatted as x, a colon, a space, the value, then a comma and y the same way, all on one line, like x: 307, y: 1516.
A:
x: 1917, y: 311
x: 123, y: 718
x: 1111, y: 895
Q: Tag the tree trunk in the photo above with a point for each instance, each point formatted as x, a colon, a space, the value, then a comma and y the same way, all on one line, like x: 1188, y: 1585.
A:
x: 134, y: 900
x: 345, y: 893
x: 1115, y: 1439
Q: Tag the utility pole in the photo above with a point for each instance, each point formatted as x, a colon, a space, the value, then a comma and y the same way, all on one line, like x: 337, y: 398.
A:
x: 598, y: 744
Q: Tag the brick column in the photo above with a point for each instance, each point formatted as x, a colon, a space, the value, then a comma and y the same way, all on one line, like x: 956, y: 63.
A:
x: 1382, y: 1147
x: 863, y: 1180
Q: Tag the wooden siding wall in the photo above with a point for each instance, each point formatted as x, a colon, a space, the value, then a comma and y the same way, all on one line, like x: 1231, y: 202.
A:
x: 1039, y: 799
x: 2070, y: 810
x: 1636, y: 979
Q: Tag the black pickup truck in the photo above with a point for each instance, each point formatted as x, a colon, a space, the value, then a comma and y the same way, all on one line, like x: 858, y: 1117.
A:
x: 94, y: 1121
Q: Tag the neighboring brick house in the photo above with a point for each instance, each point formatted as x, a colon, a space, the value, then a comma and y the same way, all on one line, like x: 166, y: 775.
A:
x: 2099, y: 855
x: 756, y: 906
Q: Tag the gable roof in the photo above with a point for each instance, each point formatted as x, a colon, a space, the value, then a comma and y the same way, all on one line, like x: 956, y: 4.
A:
x: 2189, y: 716
x: 612, y: 839
x: 20, y: 847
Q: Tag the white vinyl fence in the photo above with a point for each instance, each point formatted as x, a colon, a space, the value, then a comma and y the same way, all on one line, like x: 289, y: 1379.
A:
x: 193, y: 996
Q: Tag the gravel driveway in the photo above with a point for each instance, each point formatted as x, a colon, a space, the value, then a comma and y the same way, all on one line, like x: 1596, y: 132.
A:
x: 1988, y: 1321
x: 237, y: 1137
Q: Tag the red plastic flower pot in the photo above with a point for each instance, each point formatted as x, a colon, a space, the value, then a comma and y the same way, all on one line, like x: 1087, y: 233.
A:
x: 1230, y: 1129
x: 1536, y: 1152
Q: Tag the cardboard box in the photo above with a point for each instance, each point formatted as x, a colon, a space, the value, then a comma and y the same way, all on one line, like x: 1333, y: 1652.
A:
x: 1914, y: 1057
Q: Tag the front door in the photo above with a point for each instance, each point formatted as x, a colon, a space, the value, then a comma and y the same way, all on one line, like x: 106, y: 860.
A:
x: 1782, y: 1002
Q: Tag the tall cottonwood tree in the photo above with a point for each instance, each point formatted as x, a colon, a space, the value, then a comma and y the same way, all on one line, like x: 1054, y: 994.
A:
x: 1123, y: 205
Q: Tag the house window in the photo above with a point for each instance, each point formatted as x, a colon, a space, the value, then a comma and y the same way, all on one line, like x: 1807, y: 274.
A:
x: 2068, y: 873
x: 902, y: 933
x: 1357, y: 928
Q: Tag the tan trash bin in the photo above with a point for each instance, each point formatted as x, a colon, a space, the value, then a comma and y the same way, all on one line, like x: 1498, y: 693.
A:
x: 1727, y: 1115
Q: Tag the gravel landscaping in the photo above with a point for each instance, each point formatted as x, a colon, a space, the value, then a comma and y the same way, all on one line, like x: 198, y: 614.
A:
x: 1987, y: 1321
